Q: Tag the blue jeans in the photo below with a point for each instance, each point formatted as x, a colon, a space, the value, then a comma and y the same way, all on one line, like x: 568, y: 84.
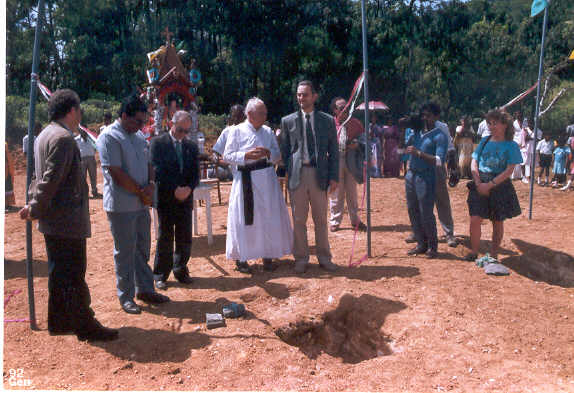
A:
x: 420, y: 193
x: 132, y: 242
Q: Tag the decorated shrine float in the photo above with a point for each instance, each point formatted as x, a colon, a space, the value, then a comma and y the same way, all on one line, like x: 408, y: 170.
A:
x: 168, y: 79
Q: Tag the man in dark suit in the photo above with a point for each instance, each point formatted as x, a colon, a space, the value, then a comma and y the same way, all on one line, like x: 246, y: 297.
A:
x: 310, y: 153
x: 176, y: 163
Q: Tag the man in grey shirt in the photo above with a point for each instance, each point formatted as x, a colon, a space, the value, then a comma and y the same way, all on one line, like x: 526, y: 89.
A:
x: 128, y: 194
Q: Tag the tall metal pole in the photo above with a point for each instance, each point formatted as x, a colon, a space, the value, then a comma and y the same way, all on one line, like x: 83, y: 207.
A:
x: 367, y: 125
x: 30, y: 162
x: 537, y: 112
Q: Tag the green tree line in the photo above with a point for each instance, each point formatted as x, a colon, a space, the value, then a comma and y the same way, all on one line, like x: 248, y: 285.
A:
x: 468, y: 56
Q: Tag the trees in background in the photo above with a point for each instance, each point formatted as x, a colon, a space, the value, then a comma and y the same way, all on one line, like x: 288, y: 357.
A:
x: 469, y: 56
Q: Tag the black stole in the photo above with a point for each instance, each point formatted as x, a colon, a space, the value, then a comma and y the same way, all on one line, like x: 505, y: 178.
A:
x: 248, y: 186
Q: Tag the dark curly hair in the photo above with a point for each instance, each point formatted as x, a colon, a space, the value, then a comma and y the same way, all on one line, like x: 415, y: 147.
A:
x: 61, y: 103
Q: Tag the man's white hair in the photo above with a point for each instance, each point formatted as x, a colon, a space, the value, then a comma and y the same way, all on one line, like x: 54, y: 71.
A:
x: 252, y: 103
x: 179, y: 116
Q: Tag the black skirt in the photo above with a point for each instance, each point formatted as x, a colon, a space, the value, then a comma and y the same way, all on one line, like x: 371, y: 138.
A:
x: 500, y: 204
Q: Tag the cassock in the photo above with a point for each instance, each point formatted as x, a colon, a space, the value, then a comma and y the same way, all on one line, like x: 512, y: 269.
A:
x: 270, y: 235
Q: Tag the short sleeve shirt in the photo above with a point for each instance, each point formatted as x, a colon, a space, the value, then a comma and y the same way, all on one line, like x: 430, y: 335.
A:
x: 496, y: 156
x: 545, y: 147
x: 130, y: 152
x: 434, y: 143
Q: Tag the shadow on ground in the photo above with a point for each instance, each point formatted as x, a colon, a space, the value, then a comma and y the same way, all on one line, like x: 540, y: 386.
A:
x: 262, y: 279
x: 17, y: 269
x: 391, y: 228
x: 154, y: 345
x: 542, y: 264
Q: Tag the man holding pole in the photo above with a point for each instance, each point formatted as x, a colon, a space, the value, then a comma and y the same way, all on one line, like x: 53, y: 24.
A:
x: 60, y: 203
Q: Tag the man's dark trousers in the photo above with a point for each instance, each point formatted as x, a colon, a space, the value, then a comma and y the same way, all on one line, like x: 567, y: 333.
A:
x: 69, y: 297
x: 174, y: 221
x: 420, y: 193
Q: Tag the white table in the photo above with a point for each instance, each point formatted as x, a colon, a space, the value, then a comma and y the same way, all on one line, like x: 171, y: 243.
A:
x: 203, y: 192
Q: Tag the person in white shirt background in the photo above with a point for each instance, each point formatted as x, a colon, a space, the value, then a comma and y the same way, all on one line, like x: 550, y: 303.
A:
x: 88, y: 154
x: 518, y: 172
x: 544, y: 149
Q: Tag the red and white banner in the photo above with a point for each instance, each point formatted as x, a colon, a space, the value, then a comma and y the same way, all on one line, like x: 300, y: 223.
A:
x: 47, y: 94
x: 520, y: 97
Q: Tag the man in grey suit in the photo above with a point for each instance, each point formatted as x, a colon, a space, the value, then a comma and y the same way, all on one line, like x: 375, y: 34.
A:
x: 310, y: 153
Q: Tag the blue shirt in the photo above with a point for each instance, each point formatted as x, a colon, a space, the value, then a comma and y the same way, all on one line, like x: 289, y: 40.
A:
x: 434, y: 143
x: 496, y: 156
x: 130, y: 152
x: 560, y: 156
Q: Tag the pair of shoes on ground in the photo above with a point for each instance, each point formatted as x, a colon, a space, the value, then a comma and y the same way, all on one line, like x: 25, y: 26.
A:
x: 360, y: 227
x: 162, y: 284
x: 301, y: 266
x: 148, y: 297
x: 491, y: 265
x: 243, y: 266
x: 485, y: 260
x: 429, y: 252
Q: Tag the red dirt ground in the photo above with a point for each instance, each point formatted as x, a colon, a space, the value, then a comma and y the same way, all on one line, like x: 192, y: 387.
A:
x: 395, y: 323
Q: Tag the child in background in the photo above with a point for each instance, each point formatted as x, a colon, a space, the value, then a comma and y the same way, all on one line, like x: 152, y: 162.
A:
x: 561, y: 154
x: 544, y: 149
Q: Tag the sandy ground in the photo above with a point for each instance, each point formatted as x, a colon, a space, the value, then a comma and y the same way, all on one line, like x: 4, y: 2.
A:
x: 395, y: 323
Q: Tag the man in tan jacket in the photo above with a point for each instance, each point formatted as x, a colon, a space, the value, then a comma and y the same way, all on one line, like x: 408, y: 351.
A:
x: 60, y: 203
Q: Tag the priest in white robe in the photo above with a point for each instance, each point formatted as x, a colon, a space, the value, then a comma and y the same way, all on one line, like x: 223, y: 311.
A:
x: 258, y: 222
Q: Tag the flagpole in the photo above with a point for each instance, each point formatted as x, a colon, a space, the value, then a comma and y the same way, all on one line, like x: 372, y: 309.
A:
x: 367, y: 125
x: 30, y: 161
x: 537, y: 113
